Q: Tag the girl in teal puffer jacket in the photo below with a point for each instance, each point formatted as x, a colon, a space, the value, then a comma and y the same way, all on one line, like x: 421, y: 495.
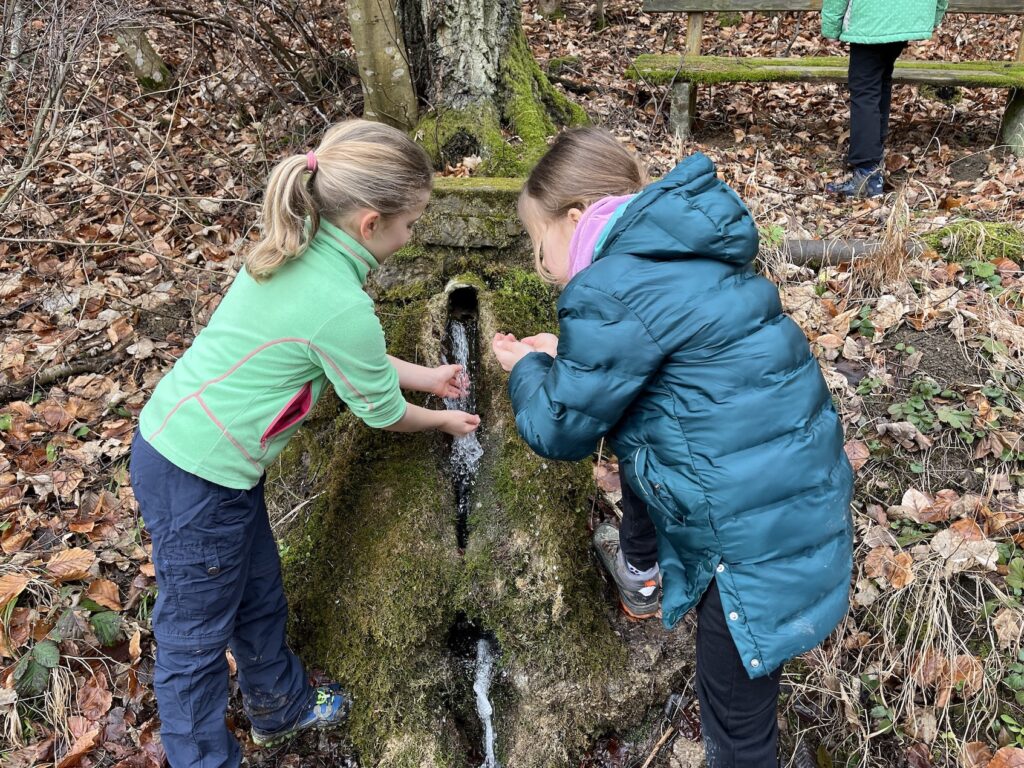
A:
x: 673, y: 347
x: 877, y: 31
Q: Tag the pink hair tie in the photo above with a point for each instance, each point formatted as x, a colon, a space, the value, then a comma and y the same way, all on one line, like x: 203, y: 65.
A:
x: 311, y: 161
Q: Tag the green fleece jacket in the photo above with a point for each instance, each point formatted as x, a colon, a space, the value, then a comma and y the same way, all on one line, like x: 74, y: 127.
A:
x: 230, y: 403
x: 881, y: 21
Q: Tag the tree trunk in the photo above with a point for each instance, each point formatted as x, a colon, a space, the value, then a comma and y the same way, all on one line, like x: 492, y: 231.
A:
x: 13, y: 28
x: 388, y: 94
x: 149, y: 68
x: 481, y: 83
x: 549, y: 8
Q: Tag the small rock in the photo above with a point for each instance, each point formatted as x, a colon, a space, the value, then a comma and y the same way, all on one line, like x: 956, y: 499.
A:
x: 686, y: 754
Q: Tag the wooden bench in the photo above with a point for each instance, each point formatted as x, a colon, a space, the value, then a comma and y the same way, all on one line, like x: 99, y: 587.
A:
x: 685, y: 72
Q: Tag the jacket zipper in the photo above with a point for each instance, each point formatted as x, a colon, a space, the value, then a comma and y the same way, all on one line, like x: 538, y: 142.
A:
x: 639, y: 479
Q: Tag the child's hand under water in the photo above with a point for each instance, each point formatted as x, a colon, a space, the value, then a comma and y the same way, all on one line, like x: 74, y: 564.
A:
x: 450, y: 381
x: 509, y: 350
x: 459, y: 423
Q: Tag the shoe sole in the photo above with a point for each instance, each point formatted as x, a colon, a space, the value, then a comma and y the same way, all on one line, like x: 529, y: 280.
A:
x: 283, y: 739
x: 637, y: 616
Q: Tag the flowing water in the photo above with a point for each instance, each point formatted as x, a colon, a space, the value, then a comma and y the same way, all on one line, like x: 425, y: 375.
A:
x: 466, y: 450
x: 466, y: 453
x: 482, y: 688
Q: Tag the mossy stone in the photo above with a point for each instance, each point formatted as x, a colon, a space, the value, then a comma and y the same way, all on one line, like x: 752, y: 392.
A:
x: 968, y: 239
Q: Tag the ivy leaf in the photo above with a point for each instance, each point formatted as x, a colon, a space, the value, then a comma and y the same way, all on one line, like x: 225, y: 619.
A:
x: 107, y: 626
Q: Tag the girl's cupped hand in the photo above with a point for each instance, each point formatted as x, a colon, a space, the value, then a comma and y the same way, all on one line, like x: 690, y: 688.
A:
x: 509, y: 350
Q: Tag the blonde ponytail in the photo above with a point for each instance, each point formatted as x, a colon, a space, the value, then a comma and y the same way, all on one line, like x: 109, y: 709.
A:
x: 358, y: 165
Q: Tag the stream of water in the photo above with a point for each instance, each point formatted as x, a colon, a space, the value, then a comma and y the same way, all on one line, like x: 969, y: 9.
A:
x: 466, y: 450
x: 482, y: 688
x: 465, y: 460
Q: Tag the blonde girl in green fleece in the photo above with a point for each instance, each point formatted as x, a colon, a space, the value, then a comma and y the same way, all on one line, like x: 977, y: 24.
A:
x: 295, y: 319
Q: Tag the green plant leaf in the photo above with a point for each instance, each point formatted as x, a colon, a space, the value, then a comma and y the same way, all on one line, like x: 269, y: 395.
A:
x: 107, y: 626
x: 1015, y: 573
x: 1016, y: 682
x: 46, y: 653
x: 954, y: 417
x: 993, y: 347
x: 91, y: 605
x: 5, y: 422
x: 30, y: 677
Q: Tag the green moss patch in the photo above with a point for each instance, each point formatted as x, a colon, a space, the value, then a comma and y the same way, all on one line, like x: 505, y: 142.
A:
x: 968, y: 240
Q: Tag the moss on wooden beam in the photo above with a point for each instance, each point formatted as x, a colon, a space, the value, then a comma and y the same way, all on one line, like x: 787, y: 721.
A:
x: 665, y: 69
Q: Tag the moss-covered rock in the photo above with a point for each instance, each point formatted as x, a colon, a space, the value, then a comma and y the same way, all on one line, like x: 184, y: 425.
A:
x: 969, y: 240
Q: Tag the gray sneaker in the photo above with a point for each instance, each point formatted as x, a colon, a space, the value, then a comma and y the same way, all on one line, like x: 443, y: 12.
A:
x: 640, y: 598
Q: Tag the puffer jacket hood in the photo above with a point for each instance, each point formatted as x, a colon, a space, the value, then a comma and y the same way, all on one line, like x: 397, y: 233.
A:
x: 699, y: 216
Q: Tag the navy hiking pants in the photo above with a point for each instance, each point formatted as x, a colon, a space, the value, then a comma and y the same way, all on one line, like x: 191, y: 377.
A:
x: 219, y: 579
x: 737, y: 714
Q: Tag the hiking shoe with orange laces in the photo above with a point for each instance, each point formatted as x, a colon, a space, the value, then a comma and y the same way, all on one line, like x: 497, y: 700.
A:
x: 639, y: 597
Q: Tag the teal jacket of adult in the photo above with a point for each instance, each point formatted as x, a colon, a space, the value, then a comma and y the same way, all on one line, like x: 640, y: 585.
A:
x: 881, y: 21
x: 678, y: 351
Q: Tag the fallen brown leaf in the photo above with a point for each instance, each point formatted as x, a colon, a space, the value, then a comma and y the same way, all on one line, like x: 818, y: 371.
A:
x: 70, y: 564
x: 11, y: 585
x: 1007, y: 757
x: 104, y: 592
x: 95, y: 698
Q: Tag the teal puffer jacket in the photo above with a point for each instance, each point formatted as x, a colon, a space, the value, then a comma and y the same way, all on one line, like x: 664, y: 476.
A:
x: 677, y: 350
x: 881, y: 21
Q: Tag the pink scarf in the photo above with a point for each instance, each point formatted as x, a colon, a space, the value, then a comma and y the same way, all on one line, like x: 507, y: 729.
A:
x: 589, y: 230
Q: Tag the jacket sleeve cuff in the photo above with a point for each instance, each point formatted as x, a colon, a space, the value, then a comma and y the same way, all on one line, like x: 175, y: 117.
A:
x: 527, y: 377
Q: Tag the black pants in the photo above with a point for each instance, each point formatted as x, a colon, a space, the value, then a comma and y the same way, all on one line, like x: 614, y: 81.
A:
x: 637, y: 538
x: 870, y: 79
x: 737, y: 714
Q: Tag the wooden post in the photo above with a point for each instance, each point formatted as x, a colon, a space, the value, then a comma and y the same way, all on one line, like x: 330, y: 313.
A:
x: 1012, y: 131
x: 683, y: 107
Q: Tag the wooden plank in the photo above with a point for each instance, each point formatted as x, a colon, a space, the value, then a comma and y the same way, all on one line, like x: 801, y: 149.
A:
x: 694, y: 32
x: 674, y: 68
x: 1009, y: 7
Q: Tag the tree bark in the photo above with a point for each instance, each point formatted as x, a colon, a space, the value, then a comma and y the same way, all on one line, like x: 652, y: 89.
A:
x: 149, y: 69
x: 549, y: 8
x: 388, y: 94
x: 477, y: 77
x: 13, y: 25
